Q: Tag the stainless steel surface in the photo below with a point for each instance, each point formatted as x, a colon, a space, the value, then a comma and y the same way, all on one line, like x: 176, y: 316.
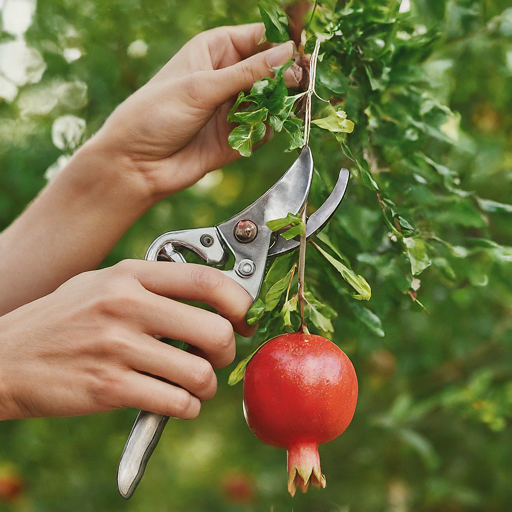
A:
x: 318, y: 219
x: 143, y: 438
x: 214, y: 254
x: 288, y: 195
x: 246, y: 231
x: 246, y: 268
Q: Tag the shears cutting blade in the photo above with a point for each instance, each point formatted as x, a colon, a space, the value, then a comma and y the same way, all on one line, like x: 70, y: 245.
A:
x: 250, y: 241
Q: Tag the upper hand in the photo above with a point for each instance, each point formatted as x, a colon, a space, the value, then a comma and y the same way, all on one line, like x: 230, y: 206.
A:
x: 174, y: 130
x: 89, y: 346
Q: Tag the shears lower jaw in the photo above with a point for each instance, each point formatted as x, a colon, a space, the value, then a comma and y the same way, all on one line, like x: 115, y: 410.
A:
x: 247, y: 237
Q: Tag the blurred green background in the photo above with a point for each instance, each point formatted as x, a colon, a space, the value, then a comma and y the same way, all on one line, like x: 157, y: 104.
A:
x: 432, y: 427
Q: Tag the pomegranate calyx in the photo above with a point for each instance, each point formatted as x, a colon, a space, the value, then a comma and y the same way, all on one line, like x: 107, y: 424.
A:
x: 304, y: 468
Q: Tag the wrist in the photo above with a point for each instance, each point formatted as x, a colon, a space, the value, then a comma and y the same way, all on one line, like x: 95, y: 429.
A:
x: 101, y: 175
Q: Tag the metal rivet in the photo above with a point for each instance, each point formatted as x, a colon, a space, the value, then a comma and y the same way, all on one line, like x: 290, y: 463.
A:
x: 246, y: 231
x: 246, y: 268
x: 207, y: 240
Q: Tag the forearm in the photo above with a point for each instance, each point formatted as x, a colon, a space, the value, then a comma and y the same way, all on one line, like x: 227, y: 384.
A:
x: 70, y: 227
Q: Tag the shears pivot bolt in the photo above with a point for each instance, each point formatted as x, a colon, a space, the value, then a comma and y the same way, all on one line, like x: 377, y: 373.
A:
x: 206, y: 240
x: 246, y: 268
x: 246, y: 231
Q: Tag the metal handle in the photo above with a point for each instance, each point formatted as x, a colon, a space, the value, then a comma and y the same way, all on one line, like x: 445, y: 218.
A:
x: 148, y: 426
x: 143, y: 438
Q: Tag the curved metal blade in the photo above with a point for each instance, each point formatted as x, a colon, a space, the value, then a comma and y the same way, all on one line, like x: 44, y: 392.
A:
x: 318, y: 219
x: 288, y: 195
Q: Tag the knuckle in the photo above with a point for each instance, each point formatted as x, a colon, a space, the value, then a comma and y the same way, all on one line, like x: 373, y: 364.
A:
x: 115, y: 297
x: 194, y: 88
x: 203, y: 379
x: 206, y: 279
x: 246, y: 73
x: 116, y: 344
x: 224, y: 341
x: 102, y: 386
x: 183, y: 405
x: 124, y: 267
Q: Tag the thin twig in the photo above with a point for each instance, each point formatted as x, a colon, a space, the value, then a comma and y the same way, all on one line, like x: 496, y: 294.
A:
x: 301, y: 274
x: 290, y: 282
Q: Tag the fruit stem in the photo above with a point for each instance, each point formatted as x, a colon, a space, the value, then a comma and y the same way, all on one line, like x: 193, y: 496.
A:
x: 301, y: 273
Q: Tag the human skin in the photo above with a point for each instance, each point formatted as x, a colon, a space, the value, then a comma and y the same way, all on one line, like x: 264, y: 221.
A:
x: 76, y: 341
x: 163, y: 138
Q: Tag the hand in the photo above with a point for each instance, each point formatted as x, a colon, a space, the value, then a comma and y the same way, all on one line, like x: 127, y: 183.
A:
x: 174, y: 129
x: 89, y: 346
x: 163, y: 138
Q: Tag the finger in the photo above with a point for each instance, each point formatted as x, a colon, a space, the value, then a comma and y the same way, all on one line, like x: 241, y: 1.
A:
x: 213, y: 49
x: 194, y: 282
x: 150, y: 394
x: 210, y: 333
x: 241, y: 41
x: 209, y: 89
x: 188, y: 371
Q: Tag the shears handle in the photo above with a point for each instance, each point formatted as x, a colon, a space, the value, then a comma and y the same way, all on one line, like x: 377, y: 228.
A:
x: 208, y: 244
x: 148, y: 426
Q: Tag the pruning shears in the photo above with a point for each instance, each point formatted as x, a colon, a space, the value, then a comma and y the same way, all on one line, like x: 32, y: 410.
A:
x: 247, y: 237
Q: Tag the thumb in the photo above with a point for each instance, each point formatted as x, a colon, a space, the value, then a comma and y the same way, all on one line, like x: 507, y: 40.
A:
x: 222, y: 84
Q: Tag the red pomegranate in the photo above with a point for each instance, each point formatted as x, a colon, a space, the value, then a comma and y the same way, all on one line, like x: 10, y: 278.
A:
x: 300, y: 390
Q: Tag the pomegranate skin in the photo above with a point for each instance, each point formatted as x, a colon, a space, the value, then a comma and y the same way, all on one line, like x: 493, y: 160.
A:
x: 300, y: 390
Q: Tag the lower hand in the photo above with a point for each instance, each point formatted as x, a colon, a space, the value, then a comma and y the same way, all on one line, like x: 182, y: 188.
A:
x: 89, y: 347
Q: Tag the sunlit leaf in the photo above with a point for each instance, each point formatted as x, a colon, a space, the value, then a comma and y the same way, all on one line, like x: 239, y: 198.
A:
x: 492, y: 206
x: 417, y: 254
x: 336, y: 122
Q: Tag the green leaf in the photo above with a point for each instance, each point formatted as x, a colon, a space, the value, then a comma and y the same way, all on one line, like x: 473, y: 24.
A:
x: 276, y: 22
x: 286, y: 311
x: 369, y: 319
x: 291, y: 219
x: 245, y: 136
x: 310, y: 45
x: 294, y: 221
x: 255, y: 313
x: 417, y: 253
x: 363, y: 167
x: 238, y: 373
x: 330, y: 75
x: 275, y: 292
x: 422, y: 445
x: 319, y: 314
x: 240, y: 99
x: 492, y: 206
x: 255, y: 117
x: 279, y: 268
x: 357, y: 282
x: 293, y: 126
x: 336, y: 122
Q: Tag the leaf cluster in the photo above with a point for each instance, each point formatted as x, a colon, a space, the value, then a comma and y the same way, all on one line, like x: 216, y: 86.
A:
x: 267, y: 102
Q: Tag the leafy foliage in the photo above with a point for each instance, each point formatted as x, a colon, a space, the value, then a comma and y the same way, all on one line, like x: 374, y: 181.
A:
x: 430, y: 158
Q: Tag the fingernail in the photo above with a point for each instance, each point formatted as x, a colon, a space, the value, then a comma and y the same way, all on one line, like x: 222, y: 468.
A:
x: 280, y: 54
x: 293, y: 75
